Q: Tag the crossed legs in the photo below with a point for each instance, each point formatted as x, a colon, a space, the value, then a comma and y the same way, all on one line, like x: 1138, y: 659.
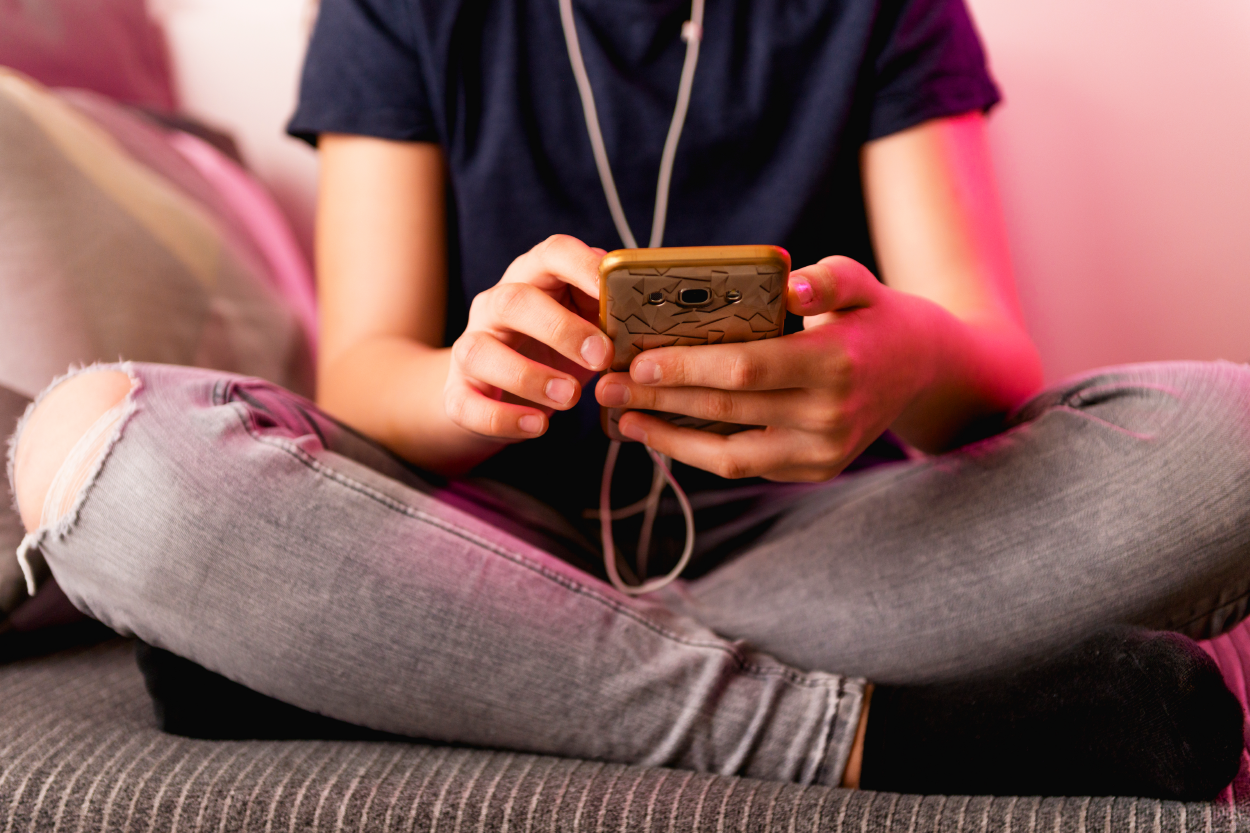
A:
x: 235, y: 525
x: 480, y: 611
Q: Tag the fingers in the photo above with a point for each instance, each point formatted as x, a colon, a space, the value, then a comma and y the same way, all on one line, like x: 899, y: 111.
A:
x: 474, y: 411
x: 789, y: 408
x: 776, y: 453
x: 560, y: 259
x: 832, y: 285
x: 482, y: 357
x: 542, y: 307
x: 835, y: 284
x: 527, y: 309
x: 791, y: 361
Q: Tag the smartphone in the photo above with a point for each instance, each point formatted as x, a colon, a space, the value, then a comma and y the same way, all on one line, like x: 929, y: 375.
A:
x: 688, y: 296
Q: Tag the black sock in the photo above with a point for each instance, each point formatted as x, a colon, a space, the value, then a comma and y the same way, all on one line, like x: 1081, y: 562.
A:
x: 1127, y: 712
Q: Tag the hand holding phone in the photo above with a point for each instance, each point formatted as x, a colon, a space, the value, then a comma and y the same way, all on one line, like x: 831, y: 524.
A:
x: 822, y: 395
x: 687, y: 296
x: 530, y: 344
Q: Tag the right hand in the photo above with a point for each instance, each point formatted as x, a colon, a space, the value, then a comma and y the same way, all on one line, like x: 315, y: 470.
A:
x: 530, y: 344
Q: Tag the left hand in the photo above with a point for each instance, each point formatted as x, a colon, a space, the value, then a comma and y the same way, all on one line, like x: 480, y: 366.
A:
x: 823, y: 394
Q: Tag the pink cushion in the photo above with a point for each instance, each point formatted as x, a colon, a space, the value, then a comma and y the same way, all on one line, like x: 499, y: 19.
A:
x: 109, y: 46
x: 249, y: 216
x: 256, y: 212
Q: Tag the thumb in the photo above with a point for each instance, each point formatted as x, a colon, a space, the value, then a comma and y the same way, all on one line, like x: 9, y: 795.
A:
x: 832, y: 285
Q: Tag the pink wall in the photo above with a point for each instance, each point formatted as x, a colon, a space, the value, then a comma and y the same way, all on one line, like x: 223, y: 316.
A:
x: 1123, y: 152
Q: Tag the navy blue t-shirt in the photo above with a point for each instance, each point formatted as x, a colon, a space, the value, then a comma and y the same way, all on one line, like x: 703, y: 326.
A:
x: 785, y: 95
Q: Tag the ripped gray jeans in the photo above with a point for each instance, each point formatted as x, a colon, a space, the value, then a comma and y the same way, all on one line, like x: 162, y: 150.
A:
x: 234, y: 524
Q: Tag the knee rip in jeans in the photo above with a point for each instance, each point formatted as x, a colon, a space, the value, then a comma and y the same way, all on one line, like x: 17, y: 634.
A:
x: 87, y: 420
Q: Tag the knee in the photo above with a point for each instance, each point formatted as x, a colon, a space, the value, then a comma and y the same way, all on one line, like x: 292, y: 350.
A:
x: 1191, y: 405
x: 61, y: 441
x: 1217, y: 407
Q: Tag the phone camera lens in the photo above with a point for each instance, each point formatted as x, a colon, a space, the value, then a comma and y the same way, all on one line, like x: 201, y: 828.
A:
x: 695, y: 297
x: 733, y: 296
x: 655, y: 298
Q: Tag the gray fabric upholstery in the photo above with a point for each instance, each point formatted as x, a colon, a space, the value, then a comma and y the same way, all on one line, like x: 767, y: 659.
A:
x: 79, y: 752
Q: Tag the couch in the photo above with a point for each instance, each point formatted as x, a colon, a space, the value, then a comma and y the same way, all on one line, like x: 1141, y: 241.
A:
x: 80, y: 747
x: 79, y: 751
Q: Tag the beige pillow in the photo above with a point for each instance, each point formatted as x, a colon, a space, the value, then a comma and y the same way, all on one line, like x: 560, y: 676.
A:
x: 107, y: 255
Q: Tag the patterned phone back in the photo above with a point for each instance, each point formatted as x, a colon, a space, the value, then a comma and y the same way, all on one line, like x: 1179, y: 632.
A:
x: 650, y: 307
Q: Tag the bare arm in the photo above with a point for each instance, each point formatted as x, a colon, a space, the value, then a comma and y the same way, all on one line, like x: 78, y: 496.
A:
x: 382, y: 286
x: 938, y: 231
x: 529, y: 345
x: 935, y: 349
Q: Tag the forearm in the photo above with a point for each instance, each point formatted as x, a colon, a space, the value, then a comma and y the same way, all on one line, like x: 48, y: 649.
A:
x: 938, y: 229
x: 391, y: 389
x: 973, y: 371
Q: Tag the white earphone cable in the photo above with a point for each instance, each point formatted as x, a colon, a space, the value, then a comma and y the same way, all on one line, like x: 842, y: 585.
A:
x: 650, y: 510
x: 605, y: 526
x: 692, y: 34
x: 592, y: 125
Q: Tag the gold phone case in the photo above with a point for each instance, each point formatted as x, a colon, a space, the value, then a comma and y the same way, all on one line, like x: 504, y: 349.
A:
x: 686, y: 296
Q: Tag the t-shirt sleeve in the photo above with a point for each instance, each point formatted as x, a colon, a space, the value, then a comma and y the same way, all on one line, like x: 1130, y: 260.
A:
x: 362, y: 75
x: 930, y: 64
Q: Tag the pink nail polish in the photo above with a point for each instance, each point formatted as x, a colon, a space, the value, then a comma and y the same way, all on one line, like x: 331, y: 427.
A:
x: 803, y: 291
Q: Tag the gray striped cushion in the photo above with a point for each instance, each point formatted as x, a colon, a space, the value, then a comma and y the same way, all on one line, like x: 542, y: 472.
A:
x: 78, y: 753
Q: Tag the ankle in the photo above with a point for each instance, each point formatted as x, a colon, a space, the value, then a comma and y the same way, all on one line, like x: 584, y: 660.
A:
x: 855, y: 761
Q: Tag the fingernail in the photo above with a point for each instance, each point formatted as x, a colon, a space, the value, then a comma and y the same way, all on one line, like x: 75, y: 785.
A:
x: 559, y: 391
x: 647, y: 373
x: 803, y: 291
x: 530, y: 424
x: 614, y: 396
x: 595, y: 351
x: 634, y: 432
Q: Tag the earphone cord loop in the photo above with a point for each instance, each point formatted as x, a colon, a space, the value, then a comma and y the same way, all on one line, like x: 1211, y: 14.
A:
x: 605, y: 526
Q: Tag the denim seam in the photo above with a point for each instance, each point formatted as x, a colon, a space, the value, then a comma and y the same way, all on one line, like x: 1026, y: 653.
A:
x: 822, y: 754
x: 838, y: 745
x: 396, y: 506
